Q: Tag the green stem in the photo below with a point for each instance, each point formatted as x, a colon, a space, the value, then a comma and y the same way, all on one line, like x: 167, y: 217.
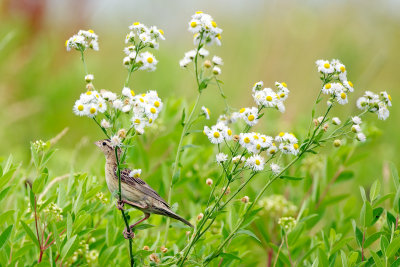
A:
x: 83, y: 61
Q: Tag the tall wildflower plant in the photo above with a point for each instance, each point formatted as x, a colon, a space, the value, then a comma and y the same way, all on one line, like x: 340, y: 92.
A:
x: 111, y: 111
x: 244, y: 155
x: 205, y: 32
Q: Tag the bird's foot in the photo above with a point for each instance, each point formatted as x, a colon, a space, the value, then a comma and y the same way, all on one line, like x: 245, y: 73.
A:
x: 120, y: 205
x: 128, y: 234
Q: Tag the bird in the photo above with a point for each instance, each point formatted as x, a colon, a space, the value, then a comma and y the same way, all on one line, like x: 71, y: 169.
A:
x: 134, y: 191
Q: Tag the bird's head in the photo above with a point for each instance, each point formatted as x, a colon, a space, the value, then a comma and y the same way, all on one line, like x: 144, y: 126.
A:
x: 107, y: 148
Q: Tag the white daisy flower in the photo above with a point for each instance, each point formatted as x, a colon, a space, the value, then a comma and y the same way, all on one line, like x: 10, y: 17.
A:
x: 135, y: 173
x: 105, y: 124
x: 109, y: 95
x: 93, y: 109
x: 203, y: 52
x: 184, y: 62
x: 275, y: 168
x: 336, y: 121
x: 324, y: 66
x: 386, y: 98
x: 89, y: 78
x: 217, y: 60
x: 362, y: 103
x: 272, y: 150
x: 257, y: 86
x: 250, y: 116
x: 221, y: 158
x: 361, y: 137
x: 341, y: 98
x: 255, y: 162
x: 115, y: 141
x: 349, y: 85
x: 206, y: 112
x: 80, y: 109
x: 148, y: 61
x: 356, y: 120
x: 117, y: 104
x: 327, y: 89
x: 216, y: 70
x: 383, y: 112
x: 214, y: 135
x: 356, y: 128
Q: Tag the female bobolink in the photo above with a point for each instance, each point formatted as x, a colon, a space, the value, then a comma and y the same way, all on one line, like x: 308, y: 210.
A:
x: 135, y: 192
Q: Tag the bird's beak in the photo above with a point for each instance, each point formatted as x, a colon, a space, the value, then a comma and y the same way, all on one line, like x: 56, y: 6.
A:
x: 97, y: 143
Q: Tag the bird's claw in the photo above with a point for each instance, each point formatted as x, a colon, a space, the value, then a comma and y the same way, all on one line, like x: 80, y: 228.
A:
x: 128, y: 234
x: 120, y: 205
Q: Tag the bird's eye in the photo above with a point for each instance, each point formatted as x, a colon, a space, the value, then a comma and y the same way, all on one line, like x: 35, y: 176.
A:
x: 104, y: 143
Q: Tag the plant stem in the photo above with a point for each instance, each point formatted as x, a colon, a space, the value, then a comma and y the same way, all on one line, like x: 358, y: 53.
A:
x: 83, y: 61
x: 132, y: 261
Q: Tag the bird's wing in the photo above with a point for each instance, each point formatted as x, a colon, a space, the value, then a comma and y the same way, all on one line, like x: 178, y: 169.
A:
x: 141, y: 185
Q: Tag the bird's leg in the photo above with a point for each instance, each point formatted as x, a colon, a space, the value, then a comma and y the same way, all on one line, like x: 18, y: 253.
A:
x: 146, y: 216
x: 120, y: 204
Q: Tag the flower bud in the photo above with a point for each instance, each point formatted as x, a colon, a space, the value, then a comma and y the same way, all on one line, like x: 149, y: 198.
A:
x: 337, y: 143
x: 146, y: 248
x: 209, y: 181
x: 200, y: 216
x: 245, y: 199
x: 326, y: 126
x: 236, y: 138
x: 89, y: 78
x: 154, y: 257
x: 227, y: 191
x: 122, y: 133
x: 207, y: 64
x: 89, y: 86
x: 164, y: 249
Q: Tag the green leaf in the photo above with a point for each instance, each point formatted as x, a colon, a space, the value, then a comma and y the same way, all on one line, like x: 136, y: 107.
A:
x: 344, y: 176
x: 372, y: 238
x: 230, y: 256
x: 379, y: 200
x: 375, y: 190
x: 68, y: 248
x: 378, y: 261
x: 291, y: 178
x: 4, y: 192
x: 176, y: 176
x: 323, y: 259
x: 56, y: 236
x: 40, y: 182
x: 384, y: 244
x: 249, y: 233
x: 339, y: 245
x: 393, y: 247
x: 395, y: 174
x: 183, y: 117
x: 390, y: 219
x: 376, y: 214
x: 344, y: 258
x: 5, y: 235
x: 294, y: 235
x: 6, y: 177
x: 396, y: 200
x: 362, y: 191
x: 30, y: 233
x: 106, y: 255
x: 69, y: 225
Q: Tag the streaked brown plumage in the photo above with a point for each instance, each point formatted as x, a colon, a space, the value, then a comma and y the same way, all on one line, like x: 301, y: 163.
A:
x: 135, y: 192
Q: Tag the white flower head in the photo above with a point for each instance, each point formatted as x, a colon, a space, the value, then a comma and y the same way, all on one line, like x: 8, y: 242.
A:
x: 356, y: 120
x: 336, y: 121
x: 105, y: 123
x: 361, y: 137
x: 206, y: 112
x: 255, y: 162
x: 115, y: 141
x: 217, y: 60
x: 216, y: 70
x: 275, y: 168
x: 324, y: 66
x: 135, y: 173
x: 221, y: 158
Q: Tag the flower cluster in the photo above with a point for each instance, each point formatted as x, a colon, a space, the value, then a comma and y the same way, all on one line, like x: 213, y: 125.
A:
x: 90, y: 104
x: 376, y: 103
x: 55, y: 211
x: 336, y: 84
x: 140, y: 37
x: 277, y: 206
x: 204, y: 29
x: 218, y: 133
x: 356, y: 128
x: 39, y: 145
x: 266, y: 97
x: 100, y: 196
x: 287, y: 223
x: 82, y: 41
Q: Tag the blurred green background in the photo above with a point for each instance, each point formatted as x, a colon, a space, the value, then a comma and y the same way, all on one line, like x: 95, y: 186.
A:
x: 262, y: 40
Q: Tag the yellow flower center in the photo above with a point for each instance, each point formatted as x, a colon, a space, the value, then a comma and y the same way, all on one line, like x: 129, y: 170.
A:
x: 272, y: 151
x: 150, y: 60
x: 343, y: 96
x: 150, y: 120
x: 327, y: 65
x: 132, y: 93
x: 350, y: 83
x: 246, y: 140
x: 218, y: 36
x: 242, y: 110
x: 66, y: 42
x: 296, y: 146
x: 281, y: 134
x: 137, y: 121
x: 269, y: 98
x: 263, y: 138
x: 390, y: 98
x: 161, y: 31
x: 141, y: 100
x: 208, y: 111
x: 199, y: 12
x: 342, y: 69
x: 214, y: 24
x: 91, y: 31
x: 88, y: 92
x: 92, y: 110
x: 282, y: 95
x: 80, y: 107
x: 328, y: 86
x: 258, y: 162
x: 156, y: 104
x: 255, y: 137
x: 216, y: 134
x: 153, y: 110
x: 136, y: 23
x: 251, y: 117
x: 229, y: 132
x: 258, y: 146
x: 193, y: 24
x: 284, y: 84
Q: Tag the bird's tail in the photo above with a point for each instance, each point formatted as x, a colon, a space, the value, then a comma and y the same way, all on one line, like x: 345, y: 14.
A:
x: 175, y: 216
